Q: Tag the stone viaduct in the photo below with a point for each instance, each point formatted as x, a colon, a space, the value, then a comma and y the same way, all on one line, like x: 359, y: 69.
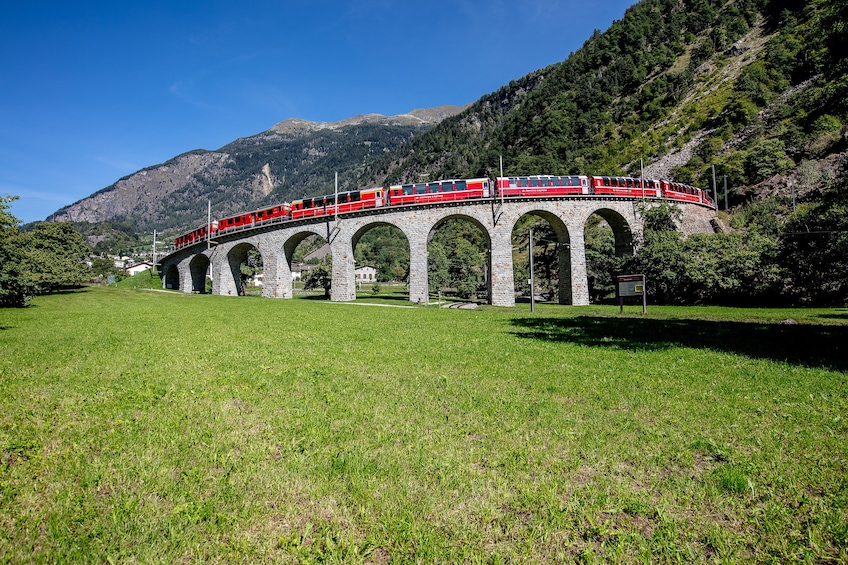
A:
x: 186, y: 269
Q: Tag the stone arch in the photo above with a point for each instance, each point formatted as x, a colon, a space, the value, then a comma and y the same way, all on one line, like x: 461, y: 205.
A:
x: 289, y: 246
x: 357, y: 235
x: 291, y: 243
x: 172, y: 277
x: 235, y: 257
x: 624, y: 240
x: 198, y: 267
x: 563, y: 242
x: 484, y: 229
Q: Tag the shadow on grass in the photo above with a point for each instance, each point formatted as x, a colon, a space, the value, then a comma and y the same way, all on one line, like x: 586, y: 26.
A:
x: 810, y: 346
x: 68, y: 290
x: 838, y: 316
x: 387, y: 297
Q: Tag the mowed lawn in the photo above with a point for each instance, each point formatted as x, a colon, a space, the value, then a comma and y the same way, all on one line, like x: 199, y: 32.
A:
x: 144, y: 427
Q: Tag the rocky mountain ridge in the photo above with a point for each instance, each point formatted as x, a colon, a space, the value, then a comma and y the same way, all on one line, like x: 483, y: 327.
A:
x: 293, y: 158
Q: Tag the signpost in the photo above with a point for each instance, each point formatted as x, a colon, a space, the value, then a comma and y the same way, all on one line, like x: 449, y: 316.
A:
x: 632, y: 285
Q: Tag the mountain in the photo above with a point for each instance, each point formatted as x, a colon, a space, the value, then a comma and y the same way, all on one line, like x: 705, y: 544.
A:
x: 294, y: 158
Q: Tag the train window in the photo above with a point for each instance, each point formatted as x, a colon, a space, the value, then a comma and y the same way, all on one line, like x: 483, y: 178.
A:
x: 420, y: 188
x: 433, y: 187
x: 461, y: 185
x: 355, y: 196
x: 408, y: 189
x: 447, y: 186
x: 534, y: 182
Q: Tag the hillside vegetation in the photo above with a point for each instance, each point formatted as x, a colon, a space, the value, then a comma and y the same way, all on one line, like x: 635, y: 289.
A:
x: 752, y: 87
x: 751, y: 93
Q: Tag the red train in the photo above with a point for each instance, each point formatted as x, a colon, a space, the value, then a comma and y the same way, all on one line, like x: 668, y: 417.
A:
x: 533, y: 186
x: 327, y: 205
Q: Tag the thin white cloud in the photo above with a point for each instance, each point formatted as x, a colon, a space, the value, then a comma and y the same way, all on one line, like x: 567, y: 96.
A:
x: 117, y: 164
x: 45, y: 195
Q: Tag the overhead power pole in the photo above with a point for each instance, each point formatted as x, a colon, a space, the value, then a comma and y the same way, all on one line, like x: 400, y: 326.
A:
x: 532, y: 276
x: 715, y: 194
x: 208, y: 224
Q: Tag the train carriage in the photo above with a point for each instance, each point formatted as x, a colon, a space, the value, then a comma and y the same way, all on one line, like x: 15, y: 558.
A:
x: 278, y: 213
x: 347, y: 202
x: 624, y: 187
x: 542, y: 185
x: 194, y: 236
x: 235, y: 222
x: 683, y: 192
x: 438, y: 191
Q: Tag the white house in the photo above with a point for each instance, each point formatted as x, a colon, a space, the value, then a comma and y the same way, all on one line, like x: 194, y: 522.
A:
x: 139, y: 267
x: 366, y: 273
x: 298, y: 269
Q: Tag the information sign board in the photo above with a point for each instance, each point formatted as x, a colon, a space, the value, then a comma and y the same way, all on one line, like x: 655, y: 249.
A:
x: 632, y: 285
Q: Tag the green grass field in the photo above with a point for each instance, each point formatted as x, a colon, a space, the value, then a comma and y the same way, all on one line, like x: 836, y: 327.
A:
x: 140, y: 427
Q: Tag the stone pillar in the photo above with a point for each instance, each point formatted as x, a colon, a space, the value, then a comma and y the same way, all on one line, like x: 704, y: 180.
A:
x: 223, y: 282
x: 278, y: 277
x: 564, y: 260
x: 184, y: 269
x: 418, y: 275
x: 579, y: 282
x: 502, y: 283
x: 344, y: 275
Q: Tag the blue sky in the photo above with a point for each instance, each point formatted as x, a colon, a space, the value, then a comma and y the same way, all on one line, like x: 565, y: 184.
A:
x: 94, y: 90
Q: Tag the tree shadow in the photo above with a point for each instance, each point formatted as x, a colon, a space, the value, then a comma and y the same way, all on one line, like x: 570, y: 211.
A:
x: 389, y: 297
x: 66, y: 290
x: 837, y: 316
x: 806, y: 345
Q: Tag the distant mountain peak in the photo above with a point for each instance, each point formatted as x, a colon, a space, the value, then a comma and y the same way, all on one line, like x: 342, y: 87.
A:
x: 418, y: 116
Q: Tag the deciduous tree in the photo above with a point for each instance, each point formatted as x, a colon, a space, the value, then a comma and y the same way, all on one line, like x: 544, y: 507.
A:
x: 16, y: 289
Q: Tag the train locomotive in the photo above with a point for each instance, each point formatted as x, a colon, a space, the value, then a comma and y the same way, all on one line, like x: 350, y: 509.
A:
x: 533, y: 186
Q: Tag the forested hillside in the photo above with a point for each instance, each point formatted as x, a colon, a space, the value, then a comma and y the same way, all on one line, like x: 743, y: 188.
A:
x: 753, y: 90
x: 752, y: 87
